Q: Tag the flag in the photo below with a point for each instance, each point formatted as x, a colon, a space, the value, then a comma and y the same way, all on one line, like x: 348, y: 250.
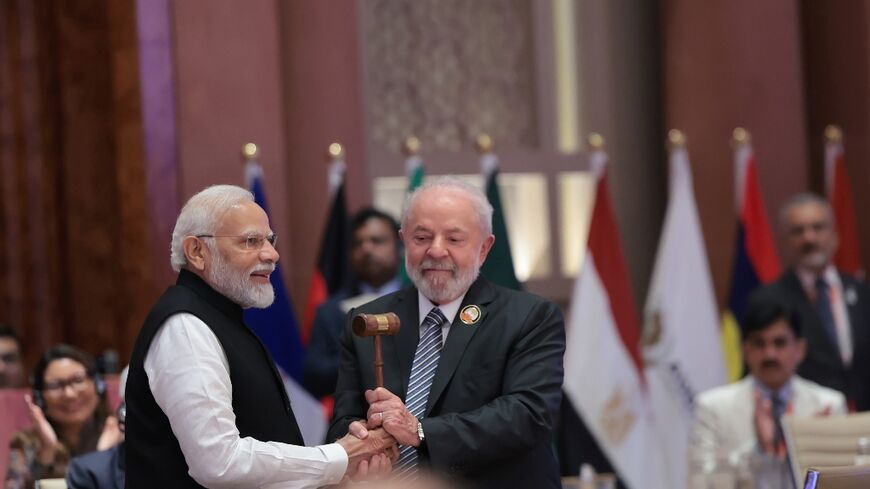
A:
x: 604, y: 378
x: 414, y: 170
x: 499, y: 265
x: 416, y: 173
x: 755, y: 259
x: 277, y: 328
x: 333, y: 260
x: 848, y: 257
x: 682, y: 349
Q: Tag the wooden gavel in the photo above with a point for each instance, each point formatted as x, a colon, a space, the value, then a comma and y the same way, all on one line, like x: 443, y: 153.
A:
x: 376, y: 325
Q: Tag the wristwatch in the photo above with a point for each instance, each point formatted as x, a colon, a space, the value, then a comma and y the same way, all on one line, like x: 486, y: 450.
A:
x: 420, y: 434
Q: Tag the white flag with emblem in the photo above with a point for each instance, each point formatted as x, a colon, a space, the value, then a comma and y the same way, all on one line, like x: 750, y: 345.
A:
x: 681, y: 343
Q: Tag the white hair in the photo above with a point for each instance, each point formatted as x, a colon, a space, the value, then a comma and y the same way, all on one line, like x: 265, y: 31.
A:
x: 449, y: 183
x: 201, y: 215
x: 801, y: 200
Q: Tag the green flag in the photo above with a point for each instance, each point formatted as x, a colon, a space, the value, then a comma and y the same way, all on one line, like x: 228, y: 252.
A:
x: 499, y: 265
x: 414, y: 169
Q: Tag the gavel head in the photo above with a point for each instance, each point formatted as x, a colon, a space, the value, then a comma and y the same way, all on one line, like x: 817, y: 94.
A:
x: 375, y: 324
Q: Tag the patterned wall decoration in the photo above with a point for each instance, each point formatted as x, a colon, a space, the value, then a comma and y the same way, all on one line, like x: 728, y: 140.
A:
x: 446, y: 70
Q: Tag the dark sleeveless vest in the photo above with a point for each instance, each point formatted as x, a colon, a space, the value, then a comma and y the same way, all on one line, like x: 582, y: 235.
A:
x: 259, y: 401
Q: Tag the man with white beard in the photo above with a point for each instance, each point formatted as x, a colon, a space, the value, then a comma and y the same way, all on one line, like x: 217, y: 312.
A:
x: 205, y: 404
x: 473, y: 377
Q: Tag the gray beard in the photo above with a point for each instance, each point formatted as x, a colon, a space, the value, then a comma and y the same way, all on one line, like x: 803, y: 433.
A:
x: 236, y: 285
x: 438, y: 290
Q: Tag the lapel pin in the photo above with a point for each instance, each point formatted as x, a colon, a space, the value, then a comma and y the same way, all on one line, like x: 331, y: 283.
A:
x: 469, y: 314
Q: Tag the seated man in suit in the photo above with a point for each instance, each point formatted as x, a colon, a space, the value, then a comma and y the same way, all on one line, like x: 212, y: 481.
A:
x: 737, y: 428
x: 834, y: 308
x: 375, y: 249
x: 473, y: 376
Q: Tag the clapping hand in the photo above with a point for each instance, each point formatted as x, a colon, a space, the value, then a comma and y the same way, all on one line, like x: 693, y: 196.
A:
x: 111, y: 434
x: 765, y: 426
x: 47, y: 436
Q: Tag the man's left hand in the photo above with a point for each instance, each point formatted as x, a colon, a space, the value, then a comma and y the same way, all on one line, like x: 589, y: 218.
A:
x: 387, y: 410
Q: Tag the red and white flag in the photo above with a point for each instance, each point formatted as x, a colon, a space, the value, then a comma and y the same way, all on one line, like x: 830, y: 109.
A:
x: 848, y: 257
x: 604, y: 378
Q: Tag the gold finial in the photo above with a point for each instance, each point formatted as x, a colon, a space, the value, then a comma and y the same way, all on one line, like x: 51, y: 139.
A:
x: 595, y: 141
x: 833, y: 134
x: 676, y: 138
x: 250, y: 151
x: 411, y: 146
x: 336, y: 151
x: 484, y: 143
x: 740, y: 136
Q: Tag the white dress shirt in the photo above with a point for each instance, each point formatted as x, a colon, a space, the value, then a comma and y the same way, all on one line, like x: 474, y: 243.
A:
x: 188, y: 374
x: 449, y: 310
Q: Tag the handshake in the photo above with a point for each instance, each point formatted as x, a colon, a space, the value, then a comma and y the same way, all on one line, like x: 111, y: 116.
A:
x: 372, y: 446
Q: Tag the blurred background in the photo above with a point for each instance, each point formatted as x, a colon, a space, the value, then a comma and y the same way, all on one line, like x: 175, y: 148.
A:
x: 113, y: 113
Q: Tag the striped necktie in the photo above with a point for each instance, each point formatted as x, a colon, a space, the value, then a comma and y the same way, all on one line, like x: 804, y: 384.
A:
x: 422, y: 373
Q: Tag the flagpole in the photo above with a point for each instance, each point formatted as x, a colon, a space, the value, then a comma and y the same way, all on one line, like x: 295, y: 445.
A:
x: 741, y: 141
x: 833, y: 133
x: 485, y: 146
x: 413, y: 162
x: 484, y: 143
x: 595, y: 141
x: 833, y: 148
x: 411, y: 146
x: 676, y: 139
x: 337, y: 166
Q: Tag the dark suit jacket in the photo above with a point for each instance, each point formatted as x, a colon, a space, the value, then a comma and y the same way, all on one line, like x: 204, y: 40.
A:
x: 97, y: 470
x: 495, y: 395
x: 320, y: 368
x: 823, y: 364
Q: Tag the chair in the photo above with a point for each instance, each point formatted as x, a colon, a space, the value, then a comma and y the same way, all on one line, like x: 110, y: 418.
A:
x: 824, y: 441
x: 50, y: 484
x: 850, y: 477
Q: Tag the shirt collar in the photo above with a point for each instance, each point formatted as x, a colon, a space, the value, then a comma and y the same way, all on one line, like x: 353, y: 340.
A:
x: 449, y: 309
x: 808, y: 278
x: 784, y: 393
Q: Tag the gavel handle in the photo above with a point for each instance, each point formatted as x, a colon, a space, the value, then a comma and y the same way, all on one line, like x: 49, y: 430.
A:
x: 379, y: 362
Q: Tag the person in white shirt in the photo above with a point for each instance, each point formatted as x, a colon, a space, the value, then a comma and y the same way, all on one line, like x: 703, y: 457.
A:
x: 737, y: 431
x: 205, y: 404
x: 834, y: 307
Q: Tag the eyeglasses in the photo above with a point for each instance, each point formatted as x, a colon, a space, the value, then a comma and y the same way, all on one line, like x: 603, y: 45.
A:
x: 251, y: 242
x: 10, y: 358
x: 56, y: 387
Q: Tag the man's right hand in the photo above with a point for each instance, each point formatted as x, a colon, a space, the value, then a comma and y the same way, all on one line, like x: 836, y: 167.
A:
x: 367, y: 450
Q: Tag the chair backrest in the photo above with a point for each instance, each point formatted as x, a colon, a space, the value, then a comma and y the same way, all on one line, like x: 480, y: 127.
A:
x: 824, y: 441
x: 50, y: 484
x: 850, y: 477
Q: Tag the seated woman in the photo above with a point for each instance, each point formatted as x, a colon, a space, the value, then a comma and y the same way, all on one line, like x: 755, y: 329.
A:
x: 70, y: 417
